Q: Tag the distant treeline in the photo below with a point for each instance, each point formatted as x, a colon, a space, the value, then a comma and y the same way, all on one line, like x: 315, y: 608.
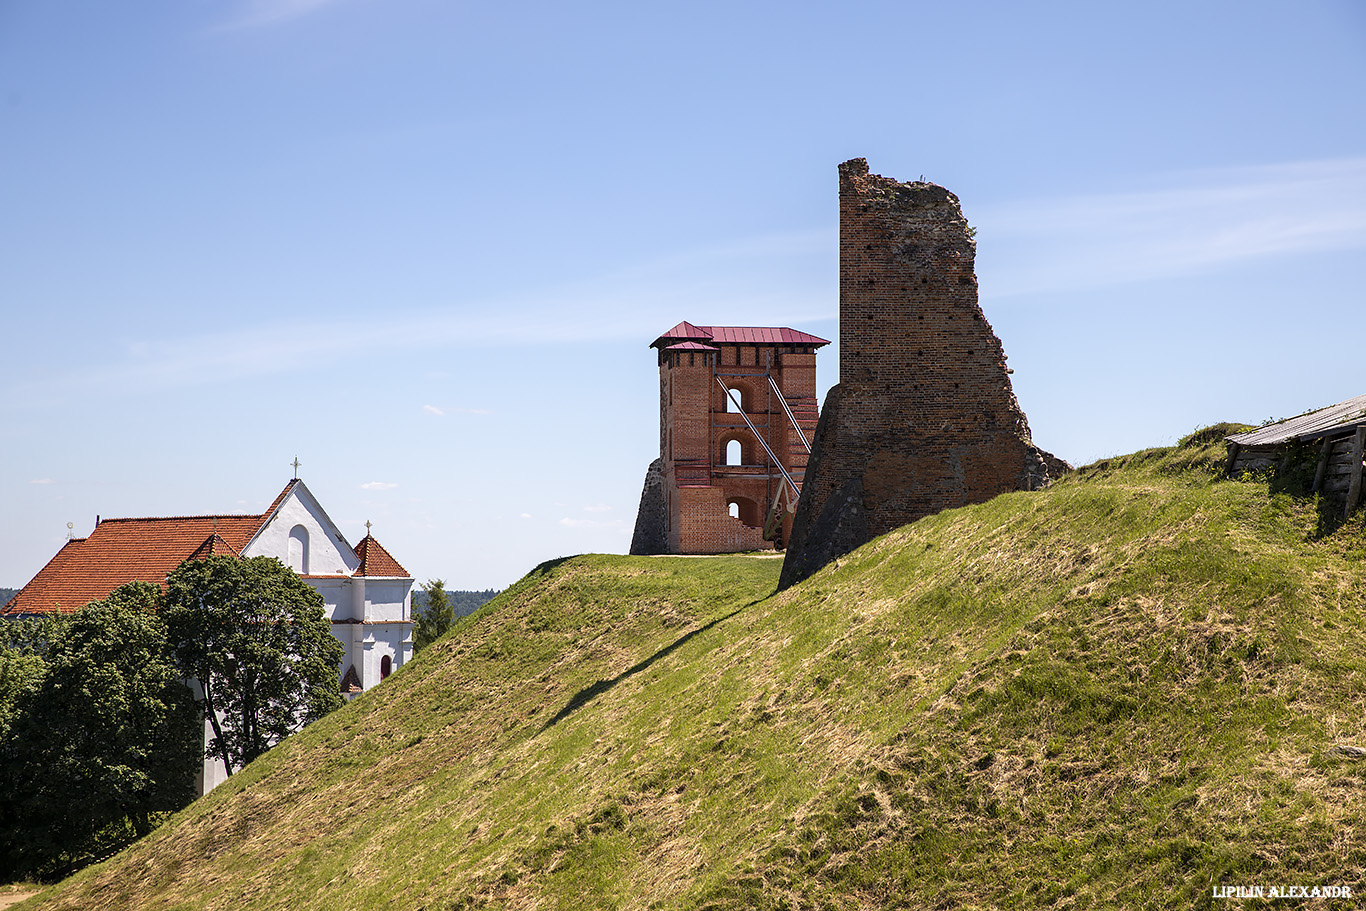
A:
x: 462, y: 603
x: 6, y: 594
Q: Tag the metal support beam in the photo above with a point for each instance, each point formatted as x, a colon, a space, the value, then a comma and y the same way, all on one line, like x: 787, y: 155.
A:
x: 762, y: 442
x: 790, y: 416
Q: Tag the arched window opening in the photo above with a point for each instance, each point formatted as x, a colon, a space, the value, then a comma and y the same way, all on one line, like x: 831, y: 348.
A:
x: 732, y: 395
x: 746, y: 510
x: 734, y: 453
x: 386, y: 667
x: 298, y: 549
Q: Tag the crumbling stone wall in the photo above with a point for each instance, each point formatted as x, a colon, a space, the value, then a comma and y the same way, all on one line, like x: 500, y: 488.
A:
x: 651, y: 534
x: 924, y: 417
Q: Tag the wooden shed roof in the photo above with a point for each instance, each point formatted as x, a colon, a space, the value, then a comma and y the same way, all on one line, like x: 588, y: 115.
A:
x: 1314, y: 425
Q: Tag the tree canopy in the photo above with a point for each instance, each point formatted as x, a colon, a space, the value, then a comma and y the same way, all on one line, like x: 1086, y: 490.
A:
x: 99, y: 734
x: 256, y: 639
x: 434, y: 618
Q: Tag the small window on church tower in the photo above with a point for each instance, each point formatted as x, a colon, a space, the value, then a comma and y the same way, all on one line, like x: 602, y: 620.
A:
x: 386, y: 667
x: 732, y: 396
x: 734, y: 453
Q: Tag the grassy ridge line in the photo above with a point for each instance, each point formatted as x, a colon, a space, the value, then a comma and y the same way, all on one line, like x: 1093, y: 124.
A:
x: 414, y: 774
x: 1119, y: 691
x: 1162, y: 722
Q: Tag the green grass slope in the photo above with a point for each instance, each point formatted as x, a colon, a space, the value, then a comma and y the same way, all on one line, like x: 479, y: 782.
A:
x: 1120, y: 692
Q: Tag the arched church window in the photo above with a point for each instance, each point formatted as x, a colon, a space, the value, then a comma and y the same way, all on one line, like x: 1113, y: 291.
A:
x: 386, y: 667
x: 735, y: 394
x: 734, y: 509
x: 734, y: 453
x: 298, y: 549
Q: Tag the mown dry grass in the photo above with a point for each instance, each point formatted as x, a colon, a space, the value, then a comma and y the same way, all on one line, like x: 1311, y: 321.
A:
x: 1120, y: 692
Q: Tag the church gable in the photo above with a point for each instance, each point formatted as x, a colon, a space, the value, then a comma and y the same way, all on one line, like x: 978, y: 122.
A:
x: 301, y: 535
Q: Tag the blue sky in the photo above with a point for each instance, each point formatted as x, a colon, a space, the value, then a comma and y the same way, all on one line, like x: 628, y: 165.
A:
x: 424, y: 245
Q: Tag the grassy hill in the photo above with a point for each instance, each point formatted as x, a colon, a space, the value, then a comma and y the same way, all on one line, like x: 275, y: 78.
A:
x: 1122, y: 691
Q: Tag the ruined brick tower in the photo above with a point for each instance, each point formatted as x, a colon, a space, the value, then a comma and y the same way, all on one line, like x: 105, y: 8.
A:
x: 725, y: 476
x: 923, y: 418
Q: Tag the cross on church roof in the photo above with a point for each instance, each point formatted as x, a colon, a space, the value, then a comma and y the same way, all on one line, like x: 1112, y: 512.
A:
x: 296, y: 463
x: 367, y: 528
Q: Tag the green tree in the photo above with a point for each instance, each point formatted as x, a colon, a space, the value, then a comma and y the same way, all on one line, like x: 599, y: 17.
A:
x: 102, y: 743
x: 256, y: 639
x: 20, y: 674
x: 436, y: 616
x: 31, y: 635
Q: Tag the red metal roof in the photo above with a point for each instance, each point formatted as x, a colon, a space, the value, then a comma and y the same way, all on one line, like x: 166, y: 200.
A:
x: 686, y: 329
x: 738, y: 335
x: 691, y: 346
x: 763, y: 335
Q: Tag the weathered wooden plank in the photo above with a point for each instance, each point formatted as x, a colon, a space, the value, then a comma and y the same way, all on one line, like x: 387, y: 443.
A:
x: 1233, y: 450
x: 1354, y: 492
x: 1325, y: 451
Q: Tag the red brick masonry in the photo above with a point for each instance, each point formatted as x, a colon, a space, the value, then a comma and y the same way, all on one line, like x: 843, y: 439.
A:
x: 684, y: 507
x: 924, y: 417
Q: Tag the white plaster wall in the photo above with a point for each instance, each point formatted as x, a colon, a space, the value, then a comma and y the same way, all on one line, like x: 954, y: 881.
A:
x: 328, y: 552
x: 387, y: 600
x: 212, y: 772
x: 336, y: 596
x: 392, y: 639
x: 383, y: 605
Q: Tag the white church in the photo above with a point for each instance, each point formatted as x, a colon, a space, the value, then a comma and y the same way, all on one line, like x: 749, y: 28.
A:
x: 367, y: 593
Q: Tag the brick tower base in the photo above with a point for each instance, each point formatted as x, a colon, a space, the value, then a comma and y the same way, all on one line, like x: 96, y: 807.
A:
x: 924, y: 417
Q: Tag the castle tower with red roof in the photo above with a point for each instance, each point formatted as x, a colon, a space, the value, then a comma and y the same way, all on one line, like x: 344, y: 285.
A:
x: 737, y: 408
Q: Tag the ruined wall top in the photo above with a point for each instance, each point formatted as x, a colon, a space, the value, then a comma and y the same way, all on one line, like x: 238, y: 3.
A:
x: 890, y: 193
x: 924, y: 417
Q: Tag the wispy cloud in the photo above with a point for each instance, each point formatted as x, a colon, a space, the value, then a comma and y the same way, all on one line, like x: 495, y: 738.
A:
x: 436, y: 411
x: 1180, y: 224
x: 756, y: 281
x: 591, y: 523
x: 378, y: 485
x: 42, y: 481
x: 1185, y: 223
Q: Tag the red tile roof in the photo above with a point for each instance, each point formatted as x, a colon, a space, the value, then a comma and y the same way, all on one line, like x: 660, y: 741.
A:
x: 119, y: 551
x: 737, y: 335
x: 376, y: 561
x: 125, y: 550
x: 214, y: 546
